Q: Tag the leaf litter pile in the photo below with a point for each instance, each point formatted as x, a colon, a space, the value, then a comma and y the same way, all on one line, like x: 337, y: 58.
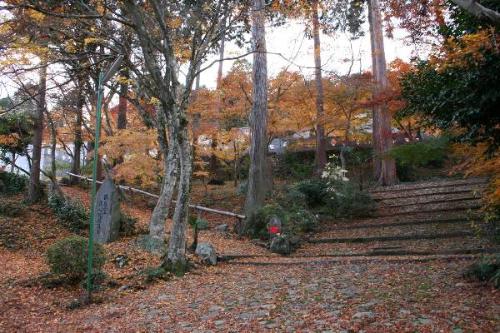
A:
x: 283, y: 296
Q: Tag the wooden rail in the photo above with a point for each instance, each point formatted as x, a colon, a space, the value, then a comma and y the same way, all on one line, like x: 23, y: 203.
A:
x: 198, y: 207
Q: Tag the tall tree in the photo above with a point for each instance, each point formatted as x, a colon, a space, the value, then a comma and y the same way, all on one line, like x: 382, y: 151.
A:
x: 34, y: 188
x: 320, y: 112
x: 258, y: 177
x: 384, y: 165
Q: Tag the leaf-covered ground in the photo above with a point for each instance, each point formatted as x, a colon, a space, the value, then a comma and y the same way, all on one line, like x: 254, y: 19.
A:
x: 302, y: 294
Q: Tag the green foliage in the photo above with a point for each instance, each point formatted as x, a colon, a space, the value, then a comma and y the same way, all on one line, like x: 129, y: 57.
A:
x: 19, y: 128
x: 69, y: 256
x: 152, y: 274
x: 70, y: 213
x: 462, y: 22
x: 11, y: 209
x: 295, y: 165
x: 463, y: 99
x: 487, y: 270
x: 295, y: 220
x: 11, y: 183
x: 315, y: 191
x: 127, y: 224
x: 198, y: 222
x: 427, y: 153
x: 348, y: 202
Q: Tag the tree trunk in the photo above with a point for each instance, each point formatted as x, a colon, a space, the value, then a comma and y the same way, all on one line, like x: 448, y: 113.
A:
x: 176, y: 258
x: 78, y: 141
x: 320, y: 157
x: 213, y: 165
x: 384, y: 166
x: 161, y: 210
x: 122, y: 102
x: 258, y: 174
x: 34, y: 189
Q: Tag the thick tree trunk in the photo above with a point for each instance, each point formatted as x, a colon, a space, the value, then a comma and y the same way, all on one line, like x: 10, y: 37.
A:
x: 258, y: 174
x: 320, y: 131
x: 161, y: 210
x: 385, y: 166
x: 176, y: 258
x: 34, y: 188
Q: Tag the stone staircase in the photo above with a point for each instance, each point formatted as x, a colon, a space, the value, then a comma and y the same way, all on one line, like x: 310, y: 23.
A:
x: 413, y: 222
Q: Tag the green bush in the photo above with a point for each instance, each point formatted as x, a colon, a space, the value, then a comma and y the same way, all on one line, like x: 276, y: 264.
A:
x: 11, y: 183
x: 127, y: 225
x: 70, y: 213
x: 68, y: 257
x: 295, y: 165
x: 292, y: 197
x: 11, y: 209
x: 315, y: 191
x: 487, y: 270
x: 428, y: 153
x: 348, y: 202
x: 294, y: 219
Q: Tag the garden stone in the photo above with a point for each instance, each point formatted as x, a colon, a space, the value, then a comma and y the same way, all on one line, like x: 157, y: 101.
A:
x: 206, y: 252
x: 222, y: 228
x: 281, y: 245
x: 107, y: 213
x: 363, y: 315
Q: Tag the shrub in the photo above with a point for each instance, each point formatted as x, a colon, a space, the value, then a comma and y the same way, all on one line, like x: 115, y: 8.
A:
x: 151, y: 274
x: 127, y: 224
x: 348, y: 202
x: 11, y: 209
x: 11, y: 183
x: 68, y: 257
x: 295, y: 165
x: 259, y: 220
x: 315, y: 191
x: 487, y: 270
x: 294, y: 220
x: 292, y: 197
x: 429, y: 153
x: 70, y: 213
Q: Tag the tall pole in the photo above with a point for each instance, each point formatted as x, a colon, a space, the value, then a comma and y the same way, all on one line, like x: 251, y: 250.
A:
x: 100, y: 92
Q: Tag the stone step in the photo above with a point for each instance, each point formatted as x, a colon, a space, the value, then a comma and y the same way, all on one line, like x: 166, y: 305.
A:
x: 428, y: 245
x: 430, y: 207
x: 455, y: 234
x: 431, y: 217
x: 433, y: 198
x: 286, y: 261
x: 378, y: 196
x: 430, y: 184
x: 395, y: 224
x: 397, y: 230
x: 379, y: 252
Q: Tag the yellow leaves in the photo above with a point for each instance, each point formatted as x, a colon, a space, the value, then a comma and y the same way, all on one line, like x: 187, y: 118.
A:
x: 154, y: 101
x: 36, y: 16
x: 91, y: 40
x: 473, y: 161
x: 174, y: 22
x: 464, y: 51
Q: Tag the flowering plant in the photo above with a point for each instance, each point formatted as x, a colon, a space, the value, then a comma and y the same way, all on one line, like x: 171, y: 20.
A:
x: 334, y: 175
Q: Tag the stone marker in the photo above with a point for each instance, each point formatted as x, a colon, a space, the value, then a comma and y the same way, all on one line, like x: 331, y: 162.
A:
x: 107, y: 213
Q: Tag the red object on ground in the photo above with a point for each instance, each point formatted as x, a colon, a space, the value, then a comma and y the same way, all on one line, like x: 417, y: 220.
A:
x: 274, y: 229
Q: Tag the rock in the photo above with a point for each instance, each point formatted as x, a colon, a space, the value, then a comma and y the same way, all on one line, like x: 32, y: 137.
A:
x: 363, y: 315
x: 107, y: 213
x: 222, y: 228
x: 281, y: 245
x: 206, y: 252
x: 423, y: 321
x: 121, y: 261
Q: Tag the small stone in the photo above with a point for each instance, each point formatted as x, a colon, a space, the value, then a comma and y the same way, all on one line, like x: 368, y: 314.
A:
x: 423, y: 321
x: 281, y: 245
x: 121, y: 261
x: 219, y: 322
x: 458, y: 330
x: 222, y: 228
x: 206, y: 252
x: 363, y: 315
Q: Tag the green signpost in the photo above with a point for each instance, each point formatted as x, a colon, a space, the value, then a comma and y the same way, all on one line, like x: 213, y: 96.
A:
x: 103, y: 78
